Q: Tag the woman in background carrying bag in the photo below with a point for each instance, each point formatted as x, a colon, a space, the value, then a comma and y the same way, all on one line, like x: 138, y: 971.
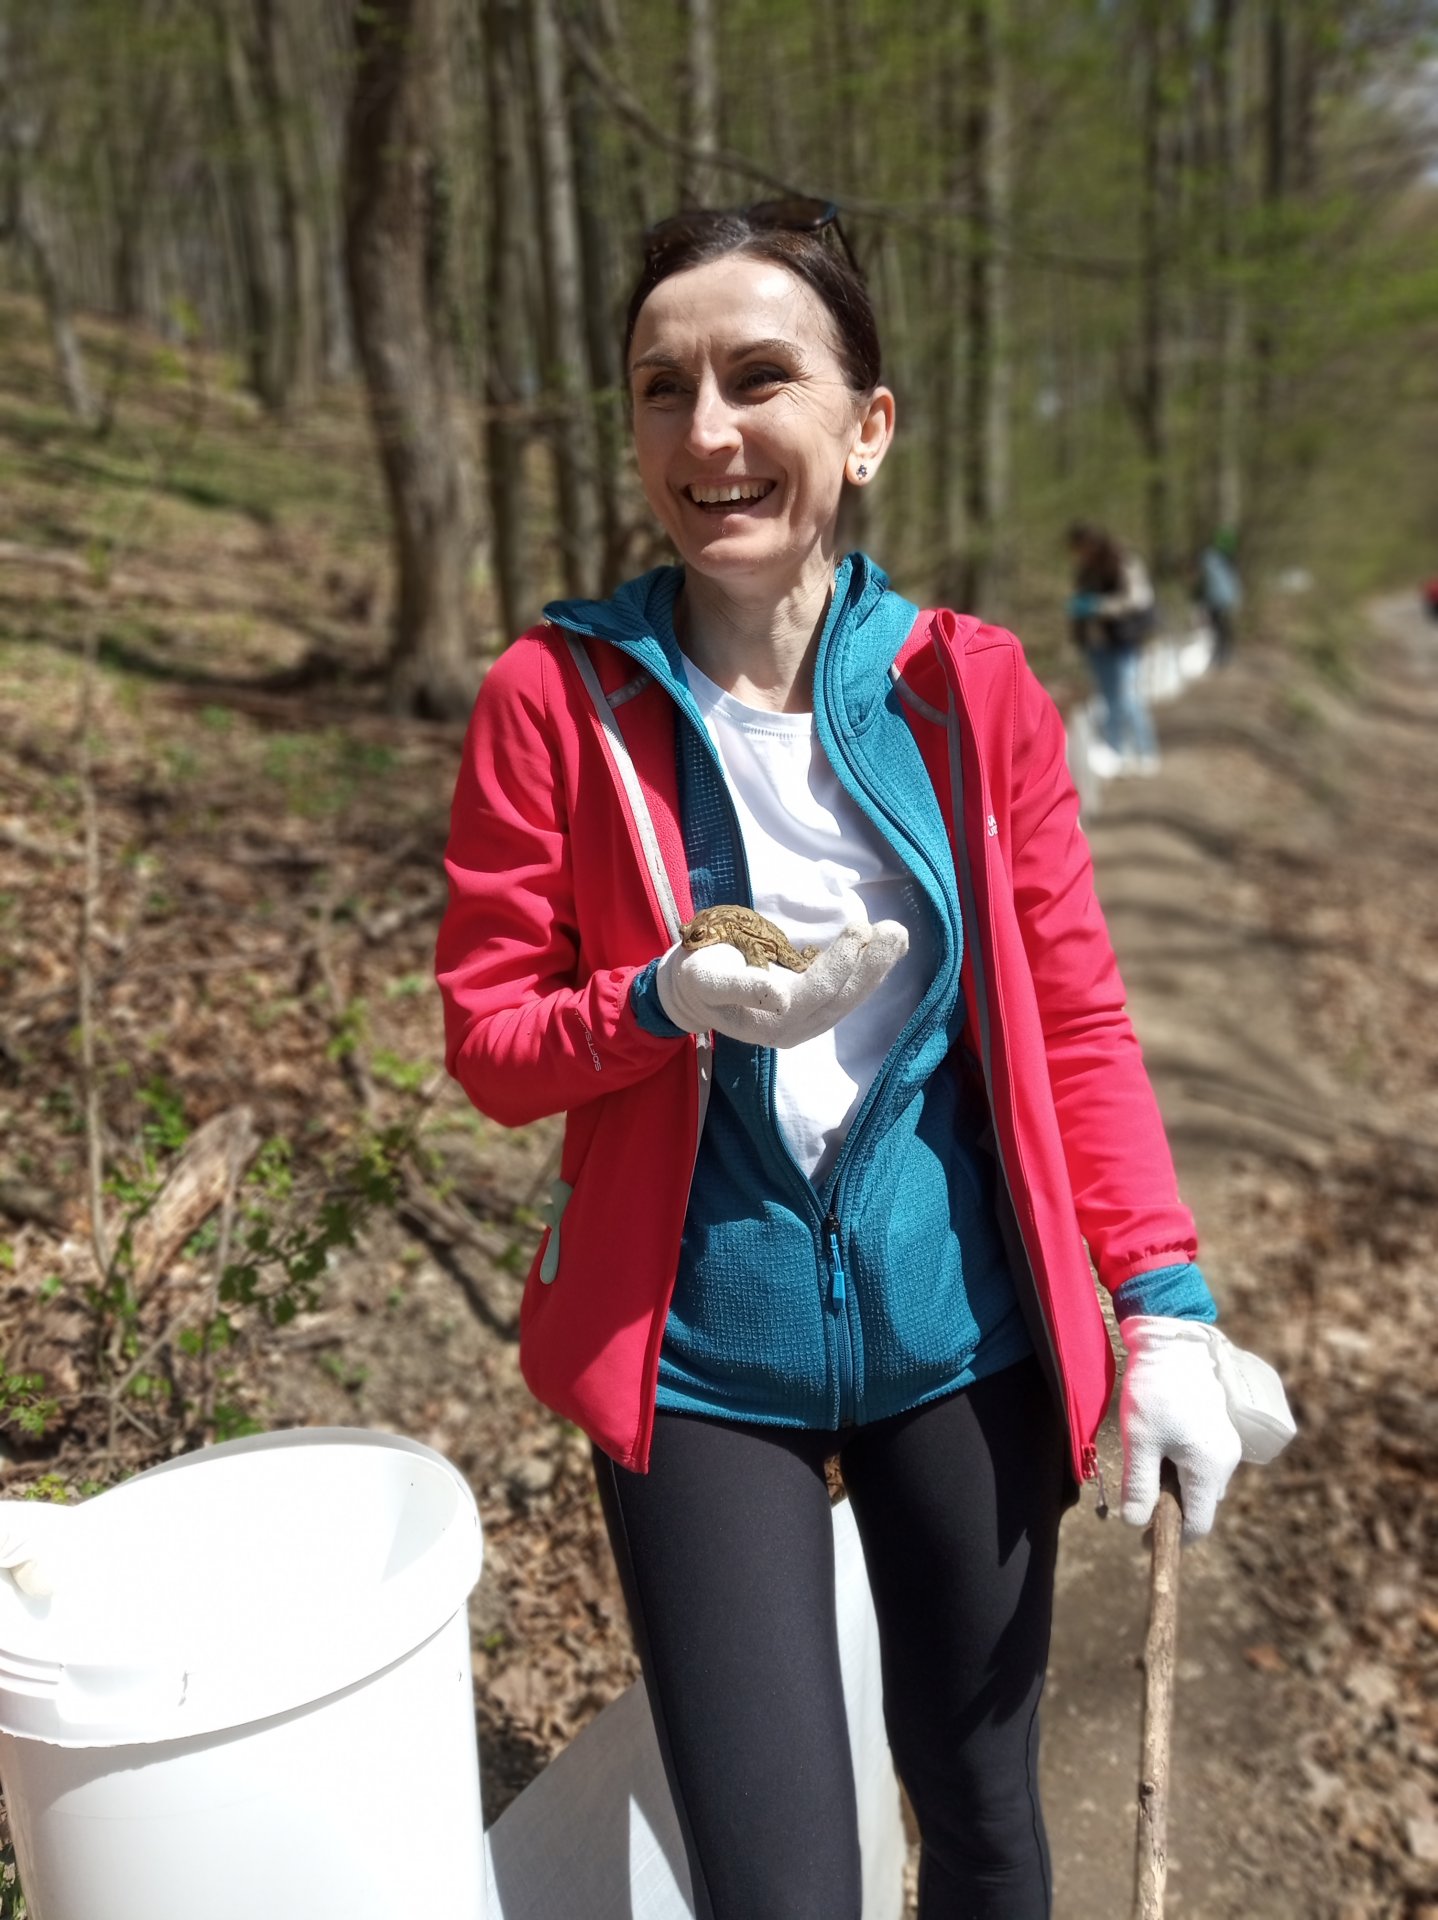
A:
x: 1112, y: 612
x: 836, y: 1208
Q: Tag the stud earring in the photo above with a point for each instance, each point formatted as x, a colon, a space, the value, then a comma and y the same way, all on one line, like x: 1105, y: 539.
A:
x: 861, y: 471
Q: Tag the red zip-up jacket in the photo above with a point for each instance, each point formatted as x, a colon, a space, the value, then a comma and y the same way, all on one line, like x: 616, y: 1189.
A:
x: 553, y: 912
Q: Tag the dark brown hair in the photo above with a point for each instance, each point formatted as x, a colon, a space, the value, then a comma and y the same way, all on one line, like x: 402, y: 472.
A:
x: 1099, y: 558
x: 708, y: 236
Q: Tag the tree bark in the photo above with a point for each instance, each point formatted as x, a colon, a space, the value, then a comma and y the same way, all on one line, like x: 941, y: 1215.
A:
x: 985, y: 412
x: 1274, y: 192
x: 506, y: 435
x: 598, y: 251
x: 698, y: 182
x: 251, y: 186
x: 1151, y: 400
x: 610, y: 38
x: 947, y: 313
x: 1228, y: 481
x: 36, y: 230
x: 395, y: 203
x: 301, y: 332
x: 564, y: 297
x: 28, y: 216
x: 854, y: 54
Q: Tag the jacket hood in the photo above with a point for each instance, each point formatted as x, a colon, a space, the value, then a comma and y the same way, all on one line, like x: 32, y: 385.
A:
x: 639, y: 616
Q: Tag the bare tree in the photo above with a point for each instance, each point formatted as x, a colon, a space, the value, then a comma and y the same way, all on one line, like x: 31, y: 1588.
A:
x: 699, y: 92
x: 1228, y: 484
x: 1150, y: 397
x: 253, y: 192
x: 506, y: 434
x: 301, y: 328
x: 27, y: 212
x: 985, y: 414
x: 396, y: 250
x: 564, y: 296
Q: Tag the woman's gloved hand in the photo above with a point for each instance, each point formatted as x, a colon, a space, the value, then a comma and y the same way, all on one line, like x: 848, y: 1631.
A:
x: 1173, y: 1407
x: 715, y: 988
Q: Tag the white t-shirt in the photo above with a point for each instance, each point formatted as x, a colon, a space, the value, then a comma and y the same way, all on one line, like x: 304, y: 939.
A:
x: 814, y: 857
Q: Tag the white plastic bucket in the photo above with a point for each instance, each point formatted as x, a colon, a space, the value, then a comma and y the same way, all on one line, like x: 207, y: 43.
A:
x: 251, y: 1691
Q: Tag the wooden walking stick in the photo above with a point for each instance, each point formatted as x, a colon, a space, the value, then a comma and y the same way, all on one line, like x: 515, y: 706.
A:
x: 1151, y: 1854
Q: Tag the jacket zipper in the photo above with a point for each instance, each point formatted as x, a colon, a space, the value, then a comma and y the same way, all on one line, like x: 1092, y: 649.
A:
x: 843, y: 1334
x: 892, y: 827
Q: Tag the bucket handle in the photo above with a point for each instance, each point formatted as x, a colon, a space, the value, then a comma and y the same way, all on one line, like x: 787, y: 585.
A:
x: 31, y: 1545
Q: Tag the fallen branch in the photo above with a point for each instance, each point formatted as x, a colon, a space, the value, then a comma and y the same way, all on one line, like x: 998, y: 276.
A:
x: 195, y: 1188
x: 208, y: 1176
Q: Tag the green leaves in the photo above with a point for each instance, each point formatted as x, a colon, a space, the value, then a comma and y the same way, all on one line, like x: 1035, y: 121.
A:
x: 283, y: 1260
x: 25, y: 1405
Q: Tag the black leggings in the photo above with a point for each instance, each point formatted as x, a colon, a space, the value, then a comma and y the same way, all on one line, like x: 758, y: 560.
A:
x: 725, y: 1550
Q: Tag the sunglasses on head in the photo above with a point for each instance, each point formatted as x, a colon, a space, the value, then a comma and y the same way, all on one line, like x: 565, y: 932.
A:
x: 795, y: 213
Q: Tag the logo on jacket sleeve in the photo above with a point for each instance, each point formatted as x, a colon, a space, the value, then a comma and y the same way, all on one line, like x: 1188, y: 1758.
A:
x: 993, y: 826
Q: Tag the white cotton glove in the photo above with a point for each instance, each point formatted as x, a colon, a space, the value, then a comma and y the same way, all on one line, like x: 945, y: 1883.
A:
x: 1173, y: 1407
x: 715, y: 988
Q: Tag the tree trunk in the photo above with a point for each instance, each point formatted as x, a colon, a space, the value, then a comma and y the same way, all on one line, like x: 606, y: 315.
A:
x: 855, y: 55
x: 36, y: 231
x: 1274, y: 191
x: 250, y: 183
x: 506, y: 435
x: 301, y: 333
x: 947, y: 318
x: 1228, y: 485
x: 564, y: 296
x: 1151, y: 396
x: 699, y: 92
x: 601, y: 325
x: 612, y: 45
x: 28, y: 215
x: 985, y: 412
x: 396, y: 251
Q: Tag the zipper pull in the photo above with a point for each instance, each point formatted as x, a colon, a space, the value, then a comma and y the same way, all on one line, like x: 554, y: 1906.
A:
x: 839, y: 1291
x: 1093, y: 1471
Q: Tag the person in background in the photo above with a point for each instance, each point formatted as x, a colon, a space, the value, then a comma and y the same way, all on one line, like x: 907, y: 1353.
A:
x: 841, y: 1210
x: 1111, y: 608
x: 1218, y: 591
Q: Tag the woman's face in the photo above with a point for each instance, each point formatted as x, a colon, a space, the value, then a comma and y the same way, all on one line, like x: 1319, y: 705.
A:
x: 744, y: 425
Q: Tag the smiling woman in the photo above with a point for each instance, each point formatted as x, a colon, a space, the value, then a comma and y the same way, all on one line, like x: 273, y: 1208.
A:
x: 841, y: 1210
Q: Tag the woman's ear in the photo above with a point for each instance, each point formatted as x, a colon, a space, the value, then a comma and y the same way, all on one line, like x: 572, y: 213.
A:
x: 872, y: 434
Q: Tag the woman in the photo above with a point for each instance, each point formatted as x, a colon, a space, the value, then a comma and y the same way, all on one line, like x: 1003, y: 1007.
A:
x: 832, y: 1211
x: 1112, y: 613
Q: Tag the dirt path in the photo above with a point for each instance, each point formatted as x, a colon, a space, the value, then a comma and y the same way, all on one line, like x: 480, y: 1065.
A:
x: 1271, y: 901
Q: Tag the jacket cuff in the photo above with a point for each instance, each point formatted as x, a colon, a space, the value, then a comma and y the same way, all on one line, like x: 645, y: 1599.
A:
x: 648, y: 1011
x: 1176, y: 1293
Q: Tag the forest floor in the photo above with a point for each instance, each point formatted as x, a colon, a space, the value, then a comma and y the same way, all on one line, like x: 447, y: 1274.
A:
x: 264, y: 894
